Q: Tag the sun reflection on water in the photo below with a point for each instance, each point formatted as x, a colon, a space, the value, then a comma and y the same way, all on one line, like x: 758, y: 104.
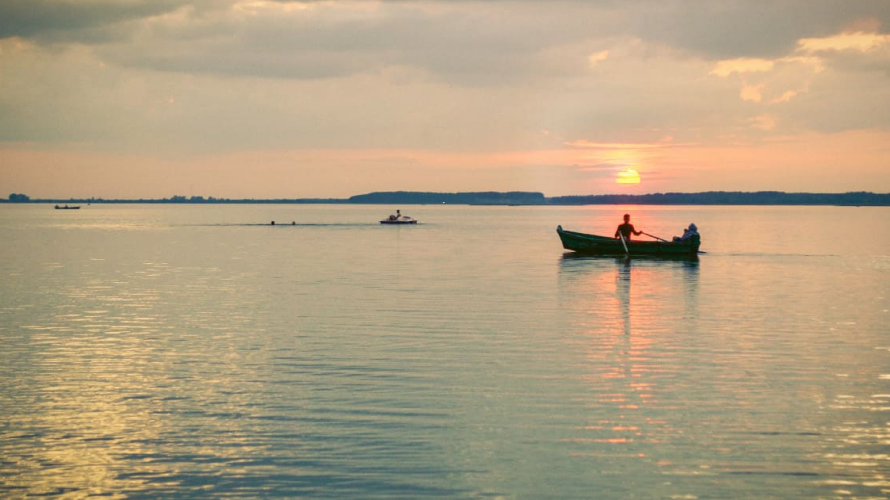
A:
x: 621, y: 335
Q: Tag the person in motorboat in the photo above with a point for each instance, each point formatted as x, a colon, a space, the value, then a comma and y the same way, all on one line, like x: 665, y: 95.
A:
x: 688, y: 233
x: 627, y: 229
x: 397, y: 216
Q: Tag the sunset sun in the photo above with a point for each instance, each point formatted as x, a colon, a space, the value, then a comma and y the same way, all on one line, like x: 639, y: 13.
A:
x: 628, y: 176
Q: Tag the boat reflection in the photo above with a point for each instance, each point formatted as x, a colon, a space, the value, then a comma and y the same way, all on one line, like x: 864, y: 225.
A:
x: 640, y: 258
x: 626, y: 316
x: 662, y: 286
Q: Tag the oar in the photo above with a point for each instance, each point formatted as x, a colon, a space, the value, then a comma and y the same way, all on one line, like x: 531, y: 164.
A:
x: 626, y: 251
x: 656, y: 237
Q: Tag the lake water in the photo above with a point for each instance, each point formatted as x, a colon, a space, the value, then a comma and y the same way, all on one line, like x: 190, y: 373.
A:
x: 162, y: 351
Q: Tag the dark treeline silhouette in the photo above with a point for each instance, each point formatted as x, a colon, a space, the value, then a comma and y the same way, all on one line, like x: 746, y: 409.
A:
x: 729, y: 198
x: 479, y: 198
x: 707, y: 198
x: 18, y: 198
x: 527, y: 198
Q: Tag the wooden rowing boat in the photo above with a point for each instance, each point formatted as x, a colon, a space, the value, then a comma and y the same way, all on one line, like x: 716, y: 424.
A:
x: 592, y: 244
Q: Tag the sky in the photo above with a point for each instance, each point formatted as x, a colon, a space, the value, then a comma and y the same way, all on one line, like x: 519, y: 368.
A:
x: 328, y: 99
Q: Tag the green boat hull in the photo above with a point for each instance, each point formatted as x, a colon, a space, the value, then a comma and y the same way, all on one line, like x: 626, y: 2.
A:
x: 591, y: 244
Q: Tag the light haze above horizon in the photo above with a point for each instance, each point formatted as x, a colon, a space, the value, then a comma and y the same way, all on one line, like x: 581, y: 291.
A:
x: 329, y: 99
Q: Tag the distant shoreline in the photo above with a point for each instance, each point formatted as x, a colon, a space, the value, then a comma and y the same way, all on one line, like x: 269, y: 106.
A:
x: 519, y: 198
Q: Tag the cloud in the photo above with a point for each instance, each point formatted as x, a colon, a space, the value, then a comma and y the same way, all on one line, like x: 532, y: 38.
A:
x: 788, y: 95
x: 479, y: 42
x: 858, y: 41
x: 197, y: 76
x: 763, y: 122
x: 849, y: 51
x: 801, y: 81
x: 742, y: 65
x: 729, y: 30
x: 338, y: 39
x: 597, y: 57
x: 584, y: 144
x: 84, y: 21
x: 752, y: 93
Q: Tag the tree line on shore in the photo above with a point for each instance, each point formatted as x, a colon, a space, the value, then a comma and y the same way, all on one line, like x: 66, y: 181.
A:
x: 860, y: 198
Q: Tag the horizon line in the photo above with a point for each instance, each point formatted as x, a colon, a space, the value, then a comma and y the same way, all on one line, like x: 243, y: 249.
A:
x: 514, y: 198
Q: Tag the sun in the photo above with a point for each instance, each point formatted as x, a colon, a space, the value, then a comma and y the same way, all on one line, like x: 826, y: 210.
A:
x: 628, y: 176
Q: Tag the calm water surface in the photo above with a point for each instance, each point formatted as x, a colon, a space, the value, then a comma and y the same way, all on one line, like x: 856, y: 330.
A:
x: 198, y: 352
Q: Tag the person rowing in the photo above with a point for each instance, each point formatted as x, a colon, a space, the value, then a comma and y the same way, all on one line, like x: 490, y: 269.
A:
x: 627, y: 229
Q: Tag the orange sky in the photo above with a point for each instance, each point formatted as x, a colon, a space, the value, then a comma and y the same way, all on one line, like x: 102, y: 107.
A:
x: 262, y: 99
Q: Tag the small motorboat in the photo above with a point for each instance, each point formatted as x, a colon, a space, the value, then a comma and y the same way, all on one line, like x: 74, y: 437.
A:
x: 399, y: 219
x: 592, y: 244
x: 66, y: 207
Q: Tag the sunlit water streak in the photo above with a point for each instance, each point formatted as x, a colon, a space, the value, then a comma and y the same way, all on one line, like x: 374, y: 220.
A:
x: 182, y: 351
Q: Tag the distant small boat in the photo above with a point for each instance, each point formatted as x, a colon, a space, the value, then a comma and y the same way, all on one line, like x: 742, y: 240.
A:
x: 399, y: 219
x: 591, y: 244
x: 66, y: 207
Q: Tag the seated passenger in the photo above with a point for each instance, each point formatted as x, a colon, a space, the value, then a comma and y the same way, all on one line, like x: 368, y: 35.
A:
x: 689, y: 232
